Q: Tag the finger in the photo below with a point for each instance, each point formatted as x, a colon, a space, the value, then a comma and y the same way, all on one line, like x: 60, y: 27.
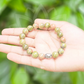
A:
x: 44, y: 64
x: 15, y: 40
x: 56, y: 23
x: 15, y: 49
x: 17, y: 31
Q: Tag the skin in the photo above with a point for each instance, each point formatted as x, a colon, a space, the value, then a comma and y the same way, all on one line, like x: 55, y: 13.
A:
x: 46, y: 42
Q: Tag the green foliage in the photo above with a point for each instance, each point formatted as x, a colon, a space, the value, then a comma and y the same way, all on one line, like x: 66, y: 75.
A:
x: 42, y: 2
x: 3, y: 4
x: 20, y: 13
x: 20, y: 77
x: 73, y: 4
x: 81, y: 7
x: 80, y: 20
x: 6, y: 71
x: 17, y: 5
x: 61, y: 13
x: 77, y: 77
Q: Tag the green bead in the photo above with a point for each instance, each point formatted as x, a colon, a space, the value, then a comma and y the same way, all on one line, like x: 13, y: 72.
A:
x: 57, y: 29
x: 35, y: 54
x: 41, y: 25
x: 22, y: 41
x: 59, y: 34
x: 29, y: 51
x: 55, y: 54
x: 25, y: 46
x: 60, y: 51
x: 47, y: 25
x: 63, y: 45
x: 30, y: 28
x: 25, y: 31
x: 22, y: 36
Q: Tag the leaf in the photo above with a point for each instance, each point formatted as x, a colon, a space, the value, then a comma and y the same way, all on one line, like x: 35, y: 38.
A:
x: 46, y: 77
x: 73, y: 19
x: 17, y: 5
x: 2, y: 56
x: 73, y: 4
x: 80, y: 20
x: 5, y: 72
x: 3, y: 4
x: 13, y: 68
x: 77, y: 77
x: 31, y: 69
x: 61, y: 13
x: 17, y: 19
x: 42, y: 2
x: 81, y: 7
x: 20, y: 77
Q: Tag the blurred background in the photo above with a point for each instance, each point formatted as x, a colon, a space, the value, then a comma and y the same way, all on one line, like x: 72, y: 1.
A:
x: 21, y: 13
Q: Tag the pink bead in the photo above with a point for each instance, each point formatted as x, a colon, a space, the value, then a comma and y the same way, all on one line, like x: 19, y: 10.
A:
x: 53, y: 26
x: 62, y: 39
x: 41, y: 56
x: 35, y: 26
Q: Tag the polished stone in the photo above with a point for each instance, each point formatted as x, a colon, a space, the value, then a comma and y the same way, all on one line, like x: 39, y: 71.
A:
x: 48, y: 55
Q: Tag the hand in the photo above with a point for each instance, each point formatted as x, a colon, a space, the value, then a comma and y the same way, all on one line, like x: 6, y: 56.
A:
x: 46, y: 42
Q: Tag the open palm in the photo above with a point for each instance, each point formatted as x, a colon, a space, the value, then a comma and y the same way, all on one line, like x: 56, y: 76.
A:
x: 46, y: 42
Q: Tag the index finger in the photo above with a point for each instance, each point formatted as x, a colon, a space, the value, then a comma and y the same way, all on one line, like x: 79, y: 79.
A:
x: 17, y: 32
x: 52, y: 22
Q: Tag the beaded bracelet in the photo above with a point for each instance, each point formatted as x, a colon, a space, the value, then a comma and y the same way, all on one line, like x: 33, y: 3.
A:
x: 35, y: 54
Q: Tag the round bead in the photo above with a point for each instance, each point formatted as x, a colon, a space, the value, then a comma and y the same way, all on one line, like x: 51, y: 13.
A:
x: 25, y: 31
x: 22, y: 41
x: 48, y: 55
x: 63, y: 45
x: 41, y: 56
x: 53, y: 26
x: 57, y: 29
x: 30, y: 28
x: 22, y: 36
x: 25, y: 46
x: 62, y: 39
x: 29, y: 51
x: 35, y: 54
x: 41, y: 25
x: 47, y: 24
x: 60, y: 51
x: 55, y: 54
x: 35, y: 26
x: 59, y: 34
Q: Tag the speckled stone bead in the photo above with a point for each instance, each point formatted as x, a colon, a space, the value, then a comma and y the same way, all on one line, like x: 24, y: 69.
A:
x: 29, y: 51
x: 41, y: 25
x: 22, y: 36
x: 60, y: 51
x: 57, y: 29
x: 63, y: 45
x: 30, y: 28
x: 47, y: 24
x: 62, y: 39
x: 35, y: 26
x: 55, y: 54
x: 22, y: 41
x: 48, y: 55
x: 25, y: 31
x: 59, y: 34
x: 41, y: 56
x: 25, y: 46
x: 53, y: 26
x: 35, y: 54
